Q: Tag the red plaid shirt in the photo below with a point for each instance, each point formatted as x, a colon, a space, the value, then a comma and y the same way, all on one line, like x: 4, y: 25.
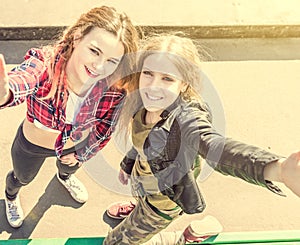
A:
x: 99, y: 111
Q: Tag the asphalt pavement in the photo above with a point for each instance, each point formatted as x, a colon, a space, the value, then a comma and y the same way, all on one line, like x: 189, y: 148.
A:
x: 260, y: 104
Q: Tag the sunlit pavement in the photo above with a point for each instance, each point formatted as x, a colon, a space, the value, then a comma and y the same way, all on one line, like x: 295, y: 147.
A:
x: 260, y: 101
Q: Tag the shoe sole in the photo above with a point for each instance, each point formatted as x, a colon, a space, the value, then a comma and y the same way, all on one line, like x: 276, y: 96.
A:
x: 12, y: 225
x: 208, y: 226
x: 15, y: 226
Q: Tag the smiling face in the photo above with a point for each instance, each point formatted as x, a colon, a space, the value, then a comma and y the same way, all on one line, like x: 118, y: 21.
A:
x: 160, y: 83
x: 95, y: 56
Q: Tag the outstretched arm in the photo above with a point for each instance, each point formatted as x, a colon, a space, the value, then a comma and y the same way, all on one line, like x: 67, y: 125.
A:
x: 287, y: 171
x: 4, y: 90
x: 230, y: 157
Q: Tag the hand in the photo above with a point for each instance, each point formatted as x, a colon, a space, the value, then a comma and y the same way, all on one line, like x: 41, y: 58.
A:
x: 123, y: 177
x: 290, y: 172
x: 4, y: 91
x: 70, y: 160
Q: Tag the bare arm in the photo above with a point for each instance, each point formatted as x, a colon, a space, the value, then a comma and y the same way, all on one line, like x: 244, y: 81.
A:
x: 4, y: 90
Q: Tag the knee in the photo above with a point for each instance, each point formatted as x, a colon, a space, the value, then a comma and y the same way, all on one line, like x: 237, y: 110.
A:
x: 20, y: 179
x: 24, y: 180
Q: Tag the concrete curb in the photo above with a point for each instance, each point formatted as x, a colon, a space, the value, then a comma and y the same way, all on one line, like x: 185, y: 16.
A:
x: 195, y: 32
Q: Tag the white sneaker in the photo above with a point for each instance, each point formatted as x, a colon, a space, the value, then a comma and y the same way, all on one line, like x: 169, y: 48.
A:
x: 14, y: 212
x: 200, y: 230
x: 75, y: 188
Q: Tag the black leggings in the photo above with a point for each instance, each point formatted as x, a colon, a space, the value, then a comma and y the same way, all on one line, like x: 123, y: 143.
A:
x: 27, y: 160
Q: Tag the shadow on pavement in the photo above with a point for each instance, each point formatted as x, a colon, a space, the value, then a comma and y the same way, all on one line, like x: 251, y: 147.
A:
x: 111, y: 222
x: 48, y: 199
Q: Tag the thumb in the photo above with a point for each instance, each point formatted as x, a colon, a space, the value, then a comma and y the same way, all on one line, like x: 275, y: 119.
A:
x: 123, y: 178
x: 3, y: 73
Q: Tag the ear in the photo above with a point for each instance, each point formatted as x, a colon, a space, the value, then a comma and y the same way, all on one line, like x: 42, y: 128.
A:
x: 184, y: 87
x: 76, y: 38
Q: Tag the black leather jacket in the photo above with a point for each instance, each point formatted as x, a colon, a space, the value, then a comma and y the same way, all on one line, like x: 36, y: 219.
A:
x: 185, y: 131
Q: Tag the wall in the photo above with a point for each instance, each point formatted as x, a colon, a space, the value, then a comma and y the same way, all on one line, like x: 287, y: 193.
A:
x: 229, y: 29
x: 155, y: 12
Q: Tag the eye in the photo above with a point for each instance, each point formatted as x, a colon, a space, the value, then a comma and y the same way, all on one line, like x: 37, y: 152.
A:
x: 112, y: 61
x: 95, y: 51
x: 147, y: 73
x: 168, y: 79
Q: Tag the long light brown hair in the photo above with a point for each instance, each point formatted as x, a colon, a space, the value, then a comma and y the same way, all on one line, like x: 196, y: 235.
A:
x: 103, y: 17
x: 183, y: 53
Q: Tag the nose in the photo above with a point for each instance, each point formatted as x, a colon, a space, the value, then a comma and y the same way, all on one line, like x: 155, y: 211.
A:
x: 99, y: 68
x: 155, y: 82
x: 98, y: 65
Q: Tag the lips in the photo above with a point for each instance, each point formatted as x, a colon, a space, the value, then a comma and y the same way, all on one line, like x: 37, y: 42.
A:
x: 91, y: 73
x: 153, y: 97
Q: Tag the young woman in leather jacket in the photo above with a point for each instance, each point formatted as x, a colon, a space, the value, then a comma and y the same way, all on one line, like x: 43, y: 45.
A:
x: 172, y: 126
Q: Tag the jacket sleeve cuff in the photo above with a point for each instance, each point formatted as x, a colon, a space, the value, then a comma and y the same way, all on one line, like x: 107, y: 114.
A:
x: 248, y: 163
x: 260, y: 177
x: 274, y: 188
x: 127, y: 165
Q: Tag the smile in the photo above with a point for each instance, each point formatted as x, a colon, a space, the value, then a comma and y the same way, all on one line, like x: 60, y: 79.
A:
x: 153, y: 98
x: 91, y: 73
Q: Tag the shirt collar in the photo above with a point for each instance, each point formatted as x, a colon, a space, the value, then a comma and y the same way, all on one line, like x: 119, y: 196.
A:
x: 165, y: 114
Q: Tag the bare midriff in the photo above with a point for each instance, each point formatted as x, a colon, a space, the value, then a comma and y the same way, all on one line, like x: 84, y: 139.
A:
x: 45, y: 138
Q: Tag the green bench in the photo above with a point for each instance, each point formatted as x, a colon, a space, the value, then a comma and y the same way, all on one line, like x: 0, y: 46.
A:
x: 257, y: 237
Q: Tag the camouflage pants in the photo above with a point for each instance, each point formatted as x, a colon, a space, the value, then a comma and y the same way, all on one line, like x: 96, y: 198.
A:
x: 142, y: 224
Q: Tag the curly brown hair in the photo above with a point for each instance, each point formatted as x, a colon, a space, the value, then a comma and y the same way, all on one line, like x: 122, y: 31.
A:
x: 103, y: 17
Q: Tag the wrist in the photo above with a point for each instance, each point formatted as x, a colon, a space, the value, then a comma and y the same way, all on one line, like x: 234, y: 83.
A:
x: 273, y: 170
x: 5, y: 98
x: 280, y: 164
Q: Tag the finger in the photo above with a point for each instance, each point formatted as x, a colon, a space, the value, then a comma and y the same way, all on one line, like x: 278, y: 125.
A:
x: 121, y: 178
x: 125, y: 179
x: 69, y: 163
x: 66, y: 157
x: 124, y: 182
x: 297, y: 155
x: 72, y: 164
x: 66, y: 162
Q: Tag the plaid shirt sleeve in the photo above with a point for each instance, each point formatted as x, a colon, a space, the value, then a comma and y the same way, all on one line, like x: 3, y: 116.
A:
x: 101, y: 134
x: 23, y: 79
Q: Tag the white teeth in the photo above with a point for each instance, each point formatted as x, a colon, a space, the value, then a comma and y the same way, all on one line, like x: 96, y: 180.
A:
x: 153, y: 97
x: 90, y: 71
